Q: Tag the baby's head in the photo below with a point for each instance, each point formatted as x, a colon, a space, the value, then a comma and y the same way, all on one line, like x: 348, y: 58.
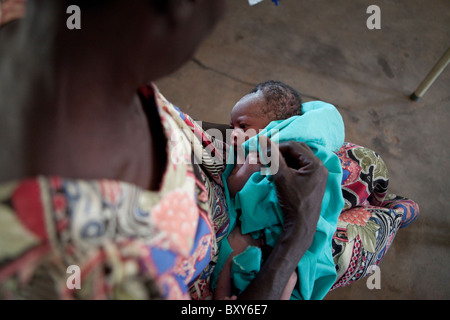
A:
x: 268, y: 101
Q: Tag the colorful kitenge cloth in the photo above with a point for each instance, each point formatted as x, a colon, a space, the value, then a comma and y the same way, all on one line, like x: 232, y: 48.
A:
x: 256, y: 206
x: 126, y: 243
x: 371, y: 217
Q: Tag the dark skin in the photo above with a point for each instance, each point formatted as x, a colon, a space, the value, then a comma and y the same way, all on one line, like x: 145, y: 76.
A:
x: 300, y: 182
x: 246, y: 121
x: 92, y: 74
x: 69, y: 107
x: 298, y: 167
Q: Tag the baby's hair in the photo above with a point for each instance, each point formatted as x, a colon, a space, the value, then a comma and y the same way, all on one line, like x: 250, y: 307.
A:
x: 281, y: 100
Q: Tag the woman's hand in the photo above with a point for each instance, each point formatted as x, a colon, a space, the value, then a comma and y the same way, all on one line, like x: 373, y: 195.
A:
x: 300, y: 181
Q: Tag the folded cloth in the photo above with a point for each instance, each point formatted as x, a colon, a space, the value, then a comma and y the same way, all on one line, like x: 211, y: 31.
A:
x: 322, y: 128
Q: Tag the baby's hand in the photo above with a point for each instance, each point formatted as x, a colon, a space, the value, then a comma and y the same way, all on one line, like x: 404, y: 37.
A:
x: 242, y: 172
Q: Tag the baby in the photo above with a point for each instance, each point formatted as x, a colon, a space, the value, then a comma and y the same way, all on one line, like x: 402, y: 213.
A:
x: 267, y: 102
x: 255, y: 216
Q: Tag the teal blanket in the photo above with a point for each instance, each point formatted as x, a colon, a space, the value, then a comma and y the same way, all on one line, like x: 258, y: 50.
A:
x: 321, y: 127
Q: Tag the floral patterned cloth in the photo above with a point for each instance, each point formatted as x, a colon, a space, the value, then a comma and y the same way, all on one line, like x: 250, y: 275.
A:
x: 371, y: 217
x: 127, y: 242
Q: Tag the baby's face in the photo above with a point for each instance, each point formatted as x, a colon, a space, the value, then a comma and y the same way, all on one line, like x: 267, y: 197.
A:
x: 247, y: 118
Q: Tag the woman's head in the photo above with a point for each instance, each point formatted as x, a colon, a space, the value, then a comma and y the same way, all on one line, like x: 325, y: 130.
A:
x: 169, y: 31
x: 157, y: 35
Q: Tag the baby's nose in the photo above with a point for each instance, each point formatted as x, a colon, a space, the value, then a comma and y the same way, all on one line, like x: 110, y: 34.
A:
x: 237, y: 137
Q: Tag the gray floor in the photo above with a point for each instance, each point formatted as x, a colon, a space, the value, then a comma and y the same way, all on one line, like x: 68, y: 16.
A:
x: 325, y: 50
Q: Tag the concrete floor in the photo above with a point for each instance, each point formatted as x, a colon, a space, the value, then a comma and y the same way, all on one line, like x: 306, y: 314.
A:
x: 325, y: 50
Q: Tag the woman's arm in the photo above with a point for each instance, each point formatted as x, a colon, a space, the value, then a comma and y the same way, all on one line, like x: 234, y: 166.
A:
x: 300, y: 182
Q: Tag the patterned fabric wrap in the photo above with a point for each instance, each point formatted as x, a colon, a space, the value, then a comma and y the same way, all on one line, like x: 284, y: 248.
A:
x: 371, y: 217
x: 128, y: 243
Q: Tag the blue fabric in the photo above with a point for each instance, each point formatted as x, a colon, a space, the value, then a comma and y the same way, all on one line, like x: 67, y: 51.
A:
x: 322, y: 128
x: 245, y: 267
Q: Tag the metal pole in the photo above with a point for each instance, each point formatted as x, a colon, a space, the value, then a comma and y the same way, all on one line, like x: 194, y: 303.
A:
x: 432, y: 76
